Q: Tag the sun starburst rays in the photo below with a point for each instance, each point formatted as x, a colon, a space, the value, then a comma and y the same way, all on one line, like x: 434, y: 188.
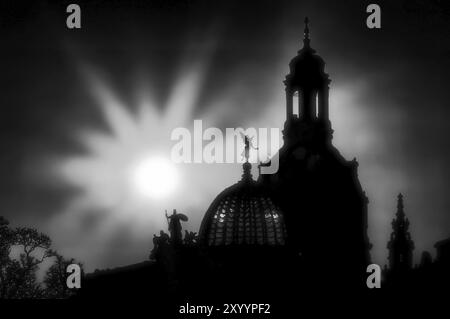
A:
x: 102, y: 174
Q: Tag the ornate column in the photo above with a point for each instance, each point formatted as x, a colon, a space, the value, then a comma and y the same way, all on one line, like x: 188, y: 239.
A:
x: 306, y: 104
x: 323, y: 103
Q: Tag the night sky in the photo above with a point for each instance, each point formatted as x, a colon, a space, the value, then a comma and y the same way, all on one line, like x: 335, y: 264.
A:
x: 388, y: 107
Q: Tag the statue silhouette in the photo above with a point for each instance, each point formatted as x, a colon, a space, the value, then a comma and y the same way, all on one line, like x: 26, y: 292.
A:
x: 247, y: 145
x: 174, y: 222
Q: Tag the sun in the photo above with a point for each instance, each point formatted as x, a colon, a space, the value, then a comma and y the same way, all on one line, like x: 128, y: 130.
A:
x: 125, y: 175
x: 154, y: 177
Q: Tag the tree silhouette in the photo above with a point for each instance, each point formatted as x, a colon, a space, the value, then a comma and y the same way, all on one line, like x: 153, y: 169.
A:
x: 5, y: 249
x: 35, y: 248
x: 18, y: 278
x: 55, y: 278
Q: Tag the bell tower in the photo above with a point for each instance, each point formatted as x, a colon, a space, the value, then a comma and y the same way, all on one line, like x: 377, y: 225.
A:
x: 308, y: 82
x: 324, y: 205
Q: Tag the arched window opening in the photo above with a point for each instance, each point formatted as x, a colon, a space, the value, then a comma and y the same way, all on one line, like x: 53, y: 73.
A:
x: 296, y: 104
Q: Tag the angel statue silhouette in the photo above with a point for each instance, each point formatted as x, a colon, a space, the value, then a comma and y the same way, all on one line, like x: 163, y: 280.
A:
x: 248, y: 142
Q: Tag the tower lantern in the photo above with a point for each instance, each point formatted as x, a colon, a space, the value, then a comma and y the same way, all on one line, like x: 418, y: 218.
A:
x: 309, y: 82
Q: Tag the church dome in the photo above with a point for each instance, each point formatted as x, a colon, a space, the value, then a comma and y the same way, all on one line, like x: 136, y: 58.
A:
x: 243, y: 214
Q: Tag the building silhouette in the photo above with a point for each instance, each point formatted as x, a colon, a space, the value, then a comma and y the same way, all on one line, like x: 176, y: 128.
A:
x: 443, y: 251
x: 319, y: 190
x: 282, y: 235
x: 430, y: 276
x: 312, y: 212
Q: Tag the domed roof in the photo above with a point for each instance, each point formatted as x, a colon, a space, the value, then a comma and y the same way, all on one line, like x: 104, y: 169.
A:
x: 307, y: 67
x: 243, y: 214
x: 307, y: 62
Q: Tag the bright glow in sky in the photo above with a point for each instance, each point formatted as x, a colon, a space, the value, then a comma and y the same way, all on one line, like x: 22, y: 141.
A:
x: 126, y: 179
x: 127, y: 174
x: 154, y: 177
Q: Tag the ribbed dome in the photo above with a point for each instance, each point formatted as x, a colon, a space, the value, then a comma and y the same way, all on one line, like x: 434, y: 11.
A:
x: 243, y: 214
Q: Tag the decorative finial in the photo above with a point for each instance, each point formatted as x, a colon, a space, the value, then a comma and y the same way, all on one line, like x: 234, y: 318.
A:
x: 248, y: 142
x: 306, y: 28
x: 306, y: 33
x: 400, y: 211
x: 247, y: 148
x: 246, y: 154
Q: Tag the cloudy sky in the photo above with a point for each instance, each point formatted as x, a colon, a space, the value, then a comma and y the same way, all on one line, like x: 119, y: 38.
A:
x: 81, y: 110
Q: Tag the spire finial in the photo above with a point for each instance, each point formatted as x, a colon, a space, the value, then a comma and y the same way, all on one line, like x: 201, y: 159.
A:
x: 247, y: 148
x: 400, y: 211
x: 306, y: 33
x: 248, y: 143
x: 246, y: 154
